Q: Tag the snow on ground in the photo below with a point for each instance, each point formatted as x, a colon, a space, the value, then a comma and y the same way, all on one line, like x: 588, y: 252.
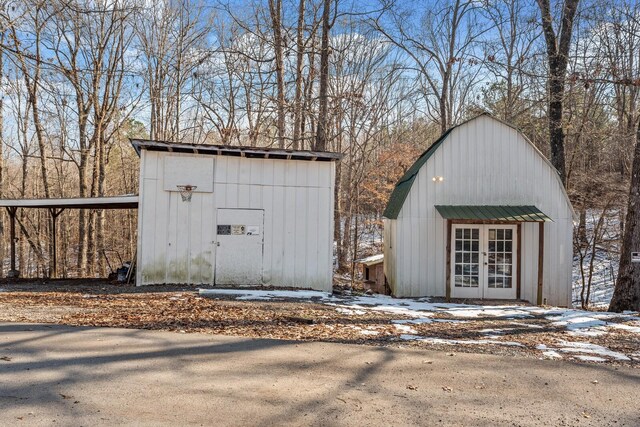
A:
x: 591, y: 324
x: 435, y: 340
x: 605, y: 261
x: 413, y: 312
x: 582, y: 348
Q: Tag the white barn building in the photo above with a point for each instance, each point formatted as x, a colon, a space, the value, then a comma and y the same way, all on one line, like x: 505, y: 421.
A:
x: 481, y: 214
x: 256, y: 216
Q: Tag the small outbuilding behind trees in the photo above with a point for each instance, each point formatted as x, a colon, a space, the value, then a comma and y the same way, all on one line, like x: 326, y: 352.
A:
x: 481, y: 214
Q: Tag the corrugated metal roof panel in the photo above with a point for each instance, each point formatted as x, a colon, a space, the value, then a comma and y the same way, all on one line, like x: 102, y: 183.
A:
x: 234, y: 150
x: 493, y: 212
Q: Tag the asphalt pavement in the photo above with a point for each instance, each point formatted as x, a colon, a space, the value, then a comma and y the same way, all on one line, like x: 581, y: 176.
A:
x: 78, y: 376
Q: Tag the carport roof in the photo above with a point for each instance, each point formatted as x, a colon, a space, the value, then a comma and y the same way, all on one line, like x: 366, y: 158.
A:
x: 493, y: 213
x: 118, y: 202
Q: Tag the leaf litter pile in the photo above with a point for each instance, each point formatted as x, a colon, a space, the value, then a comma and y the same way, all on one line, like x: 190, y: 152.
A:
x: 182, y: 310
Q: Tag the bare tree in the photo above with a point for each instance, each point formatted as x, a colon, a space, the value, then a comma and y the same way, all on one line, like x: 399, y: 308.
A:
x: 323, y: 97
x: 558, y: 45
x: 275, y: 11
x: 510, y: 58
x: 440, y: 50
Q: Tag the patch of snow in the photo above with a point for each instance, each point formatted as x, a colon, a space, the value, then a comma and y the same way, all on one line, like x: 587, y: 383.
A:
x: 405, y: 329
x: 591, y: 358
x: 350, y: 311
x: 449, y: 321
x: 418, y: 321
x: 590, y: 324
x: 589, y: 348
x: 365, y: 331
x: 625, y: 327
x: 527, y: 325
x: 409, y: 337
x: 551, y: 354
x: 488, y: 311
x: 493, y: 333
x: 435, y: 340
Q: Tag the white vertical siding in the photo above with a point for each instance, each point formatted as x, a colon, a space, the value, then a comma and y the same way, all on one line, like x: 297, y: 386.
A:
x: 483, y: 162
x: 176, y: 241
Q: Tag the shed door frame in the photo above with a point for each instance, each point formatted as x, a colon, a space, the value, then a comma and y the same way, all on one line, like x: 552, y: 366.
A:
x: 481, y: 223
x: 219, y: 264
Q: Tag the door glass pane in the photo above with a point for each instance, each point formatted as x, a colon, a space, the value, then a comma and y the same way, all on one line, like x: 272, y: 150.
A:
x: 500, y: 258
x: 467, y: 266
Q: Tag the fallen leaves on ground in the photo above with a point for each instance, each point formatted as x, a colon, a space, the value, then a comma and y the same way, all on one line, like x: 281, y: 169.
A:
x: 183, y: 310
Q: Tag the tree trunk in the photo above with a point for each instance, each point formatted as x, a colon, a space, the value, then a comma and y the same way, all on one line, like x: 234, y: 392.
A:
x: 297, y: 108
x: 1, y: 157
x: 558, y: 47
x: 582, y: 227
x: 556, y: 132
x: 626, y: 295
x: 323, y: 99
x: 275, y: 9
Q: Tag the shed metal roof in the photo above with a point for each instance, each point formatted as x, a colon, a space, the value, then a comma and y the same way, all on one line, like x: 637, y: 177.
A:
x: 233, y: 150
x: 371, y: 260
x: 493, y: 212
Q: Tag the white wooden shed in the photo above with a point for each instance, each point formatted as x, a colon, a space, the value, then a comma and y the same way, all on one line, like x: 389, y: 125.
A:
x: 481, y: 214
x: 256, y: 216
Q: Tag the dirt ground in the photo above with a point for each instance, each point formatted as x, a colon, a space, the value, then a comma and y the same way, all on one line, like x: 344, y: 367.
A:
x: 181, y: 309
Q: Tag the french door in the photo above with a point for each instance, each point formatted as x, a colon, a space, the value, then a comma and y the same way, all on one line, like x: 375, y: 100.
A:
x: 483, y: 261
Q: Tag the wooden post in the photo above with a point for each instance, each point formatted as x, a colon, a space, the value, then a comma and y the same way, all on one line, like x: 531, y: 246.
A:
x: 519, y: 260
x: 54, y: 256
x: 540, y: 260
x: 13, y: 272
x: 448, y: 273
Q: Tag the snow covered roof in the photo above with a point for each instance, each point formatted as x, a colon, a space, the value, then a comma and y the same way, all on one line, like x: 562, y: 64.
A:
x: 371, y: 260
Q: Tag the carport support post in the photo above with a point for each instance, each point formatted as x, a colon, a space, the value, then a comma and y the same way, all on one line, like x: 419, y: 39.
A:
x: 54, y: 244
x: 12, y: 234
x: 540, y: 260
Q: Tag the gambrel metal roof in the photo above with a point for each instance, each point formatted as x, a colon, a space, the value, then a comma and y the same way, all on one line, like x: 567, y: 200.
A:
x: 402, y: 188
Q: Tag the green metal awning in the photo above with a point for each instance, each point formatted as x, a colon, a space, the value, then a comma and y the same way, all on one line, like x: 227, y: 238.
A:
x: 493, y: 213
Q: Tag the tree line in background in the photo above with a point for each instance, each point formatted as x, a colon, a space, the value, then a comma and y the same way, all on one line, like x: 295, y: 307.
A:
x: 377, y: 81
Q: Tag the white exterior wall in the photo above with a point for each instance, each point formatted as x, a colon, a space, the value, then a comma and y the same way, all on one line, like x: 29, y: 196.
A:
x: 483, y: 162
x: 176, y: 239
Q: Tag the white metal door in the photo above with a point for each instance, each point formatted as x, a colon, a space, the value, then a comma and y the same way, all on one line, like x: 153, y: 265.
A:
x: 483, y: 261
x: 239, y: 249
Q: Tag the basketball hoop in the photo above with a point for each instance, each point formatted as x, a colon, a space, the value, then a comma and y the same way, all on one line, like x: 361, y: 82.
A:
x: 186, y: 191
